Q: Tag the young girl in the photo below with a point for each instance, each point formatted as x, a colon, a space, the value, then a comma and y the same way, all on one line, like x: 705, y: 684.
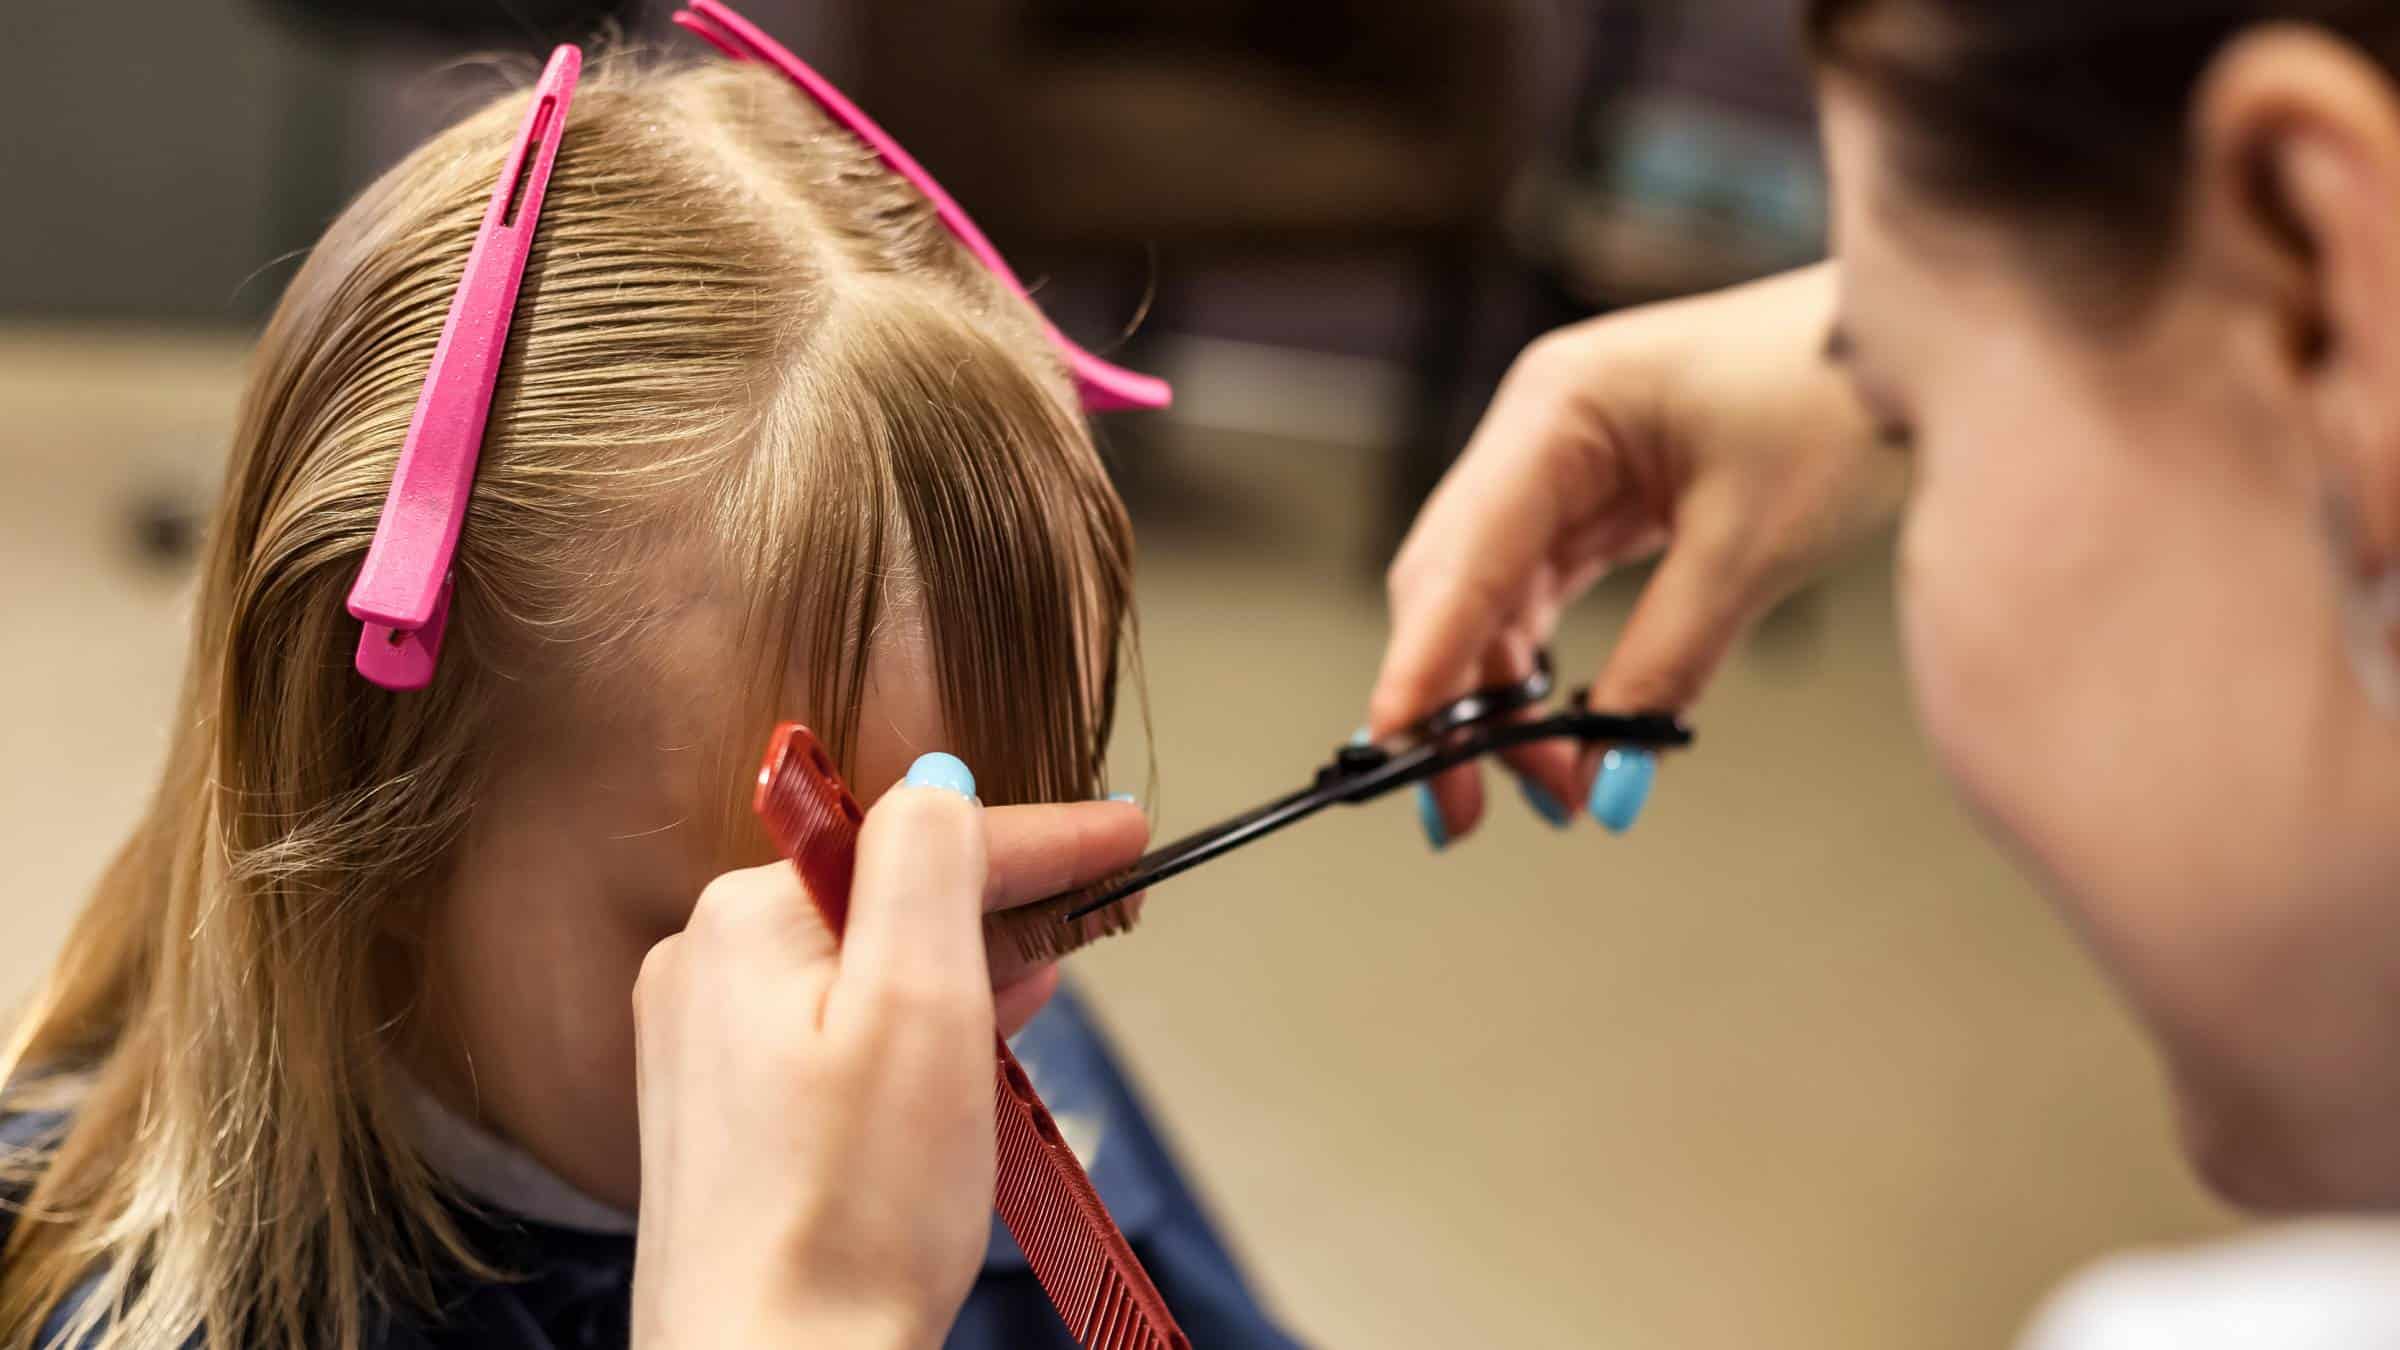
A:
x: 340, y: 1053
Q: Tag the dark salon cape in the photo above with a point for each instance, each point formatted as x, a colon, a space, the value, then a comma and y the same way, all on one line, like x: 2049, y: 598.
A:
x: 575, y: 1288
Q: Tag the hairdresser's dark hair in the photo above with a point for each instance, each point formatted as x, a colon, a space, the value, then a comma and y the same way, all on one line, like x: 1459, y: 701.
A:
x: 2064, y: 113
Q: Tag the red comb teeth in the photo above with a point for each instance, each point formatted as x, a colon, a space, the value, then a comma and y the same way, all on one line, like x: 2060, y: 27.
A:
x: 1071, y: 1244
x: 811, y: 816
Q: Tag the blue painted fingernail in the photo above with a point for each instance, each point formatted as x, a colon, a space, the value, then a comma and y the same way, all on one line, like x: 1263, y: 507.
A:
x: 1429, y: 815
x: 938, y: 770
x: 1622, y: 787
x: 1544, y: 805
x: 1126, y: 797
x: 1360, y: 737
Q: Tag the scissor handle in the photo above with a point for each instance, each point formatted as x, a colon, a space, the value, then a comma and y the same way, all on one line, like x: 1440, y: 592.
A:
x: 1490, y: 702
x: 1363, y: 772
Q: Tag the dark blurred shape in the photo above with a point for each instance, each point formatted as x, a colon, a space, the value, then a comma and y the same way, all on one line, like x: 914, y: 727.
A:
x: 165, y: 528
x: 1206, y: 123
x: 1692, y: 162
x: 143, y: 157
x: 456, y: 21
x: 1199, y: 131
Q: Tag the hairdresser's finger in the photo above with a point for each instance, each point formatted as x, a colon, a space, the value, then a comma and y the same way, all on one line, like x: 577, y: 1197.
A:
x: 1038, y: 851
x: 1691, y: 612
x: 915, y: 940
x: 1544, y: 772
x: 657, y: 983
x: 1450, y: 805
x: 1016, y: 1003
x: 1458, y: 795
x: 759, y: 910
x: 1688, y: 617
x: 1531, y: 473
x: 1547, y: 776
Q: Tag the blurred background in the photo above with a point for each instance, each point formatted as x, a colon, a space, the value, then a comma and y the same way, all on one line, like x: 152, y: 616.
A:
x: 1800, y: 1062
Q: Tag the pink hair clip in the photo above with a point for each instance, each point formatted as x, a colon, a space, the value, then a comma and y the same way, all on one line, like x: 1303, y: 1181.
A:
x: 1104, y: 387
x: 403, y: 590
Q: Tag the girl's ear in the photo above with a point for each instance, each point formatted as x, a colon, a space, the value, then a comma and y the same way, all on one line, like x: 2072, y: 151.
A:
x: 2296, y: 197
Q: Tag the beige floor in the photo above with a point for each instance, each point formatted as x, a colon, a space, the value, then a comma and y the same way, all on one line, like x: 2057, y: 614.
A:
x: 1798, y: 1064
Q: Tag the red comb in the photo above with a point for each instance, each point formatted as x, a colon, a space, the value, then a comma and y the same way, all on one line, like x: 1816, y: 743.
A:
x: 1072, y: 1245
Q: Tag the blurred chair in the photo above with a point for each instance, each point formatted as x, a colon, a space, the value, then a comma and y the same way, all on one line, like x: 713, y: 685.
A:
x: 1217, y: 129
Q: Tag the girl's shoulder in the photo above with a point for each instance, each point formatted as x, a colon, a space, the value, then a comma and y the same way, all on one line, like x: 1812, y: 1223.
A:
x: 26, y: 1137
x: 586, y: 1282
x: 30, y: 1132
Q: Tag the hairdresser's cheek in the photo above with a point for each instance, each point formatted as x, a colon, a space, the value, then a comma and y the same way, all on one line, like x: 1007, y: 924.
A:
x: 1966, y: 666
x: 2020, y: 558
x: 2004, y: 593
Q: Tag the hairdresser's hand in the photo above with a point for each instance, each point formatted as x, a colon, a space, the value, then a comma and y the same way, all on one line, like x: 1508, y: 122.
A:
x: 816, y: 1122
x: 1711, y: 428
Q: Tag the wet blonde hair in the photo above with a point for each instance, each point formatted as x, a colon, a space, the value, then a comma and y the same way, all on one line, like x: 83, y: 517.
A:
x: 737, y: 330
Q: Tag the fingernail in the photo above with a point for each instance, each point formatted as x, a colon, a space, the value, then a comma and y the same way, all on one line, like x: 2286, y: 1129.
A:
x: 1544, y: 805
x: 938, y: 770
x: 1126, y: 797
x: 1622, y: 787
x: 1360, y: 736
x: 1429, y: 815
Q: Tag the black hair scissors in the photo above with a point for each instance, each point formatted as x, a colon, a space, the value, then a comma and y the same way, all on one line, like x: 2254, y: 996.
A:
x: 1483, y: 722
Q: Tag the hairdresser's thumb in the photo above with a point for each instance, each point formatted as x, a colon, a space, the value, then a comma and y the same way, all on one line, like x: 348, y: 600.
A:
x: 916, y: 892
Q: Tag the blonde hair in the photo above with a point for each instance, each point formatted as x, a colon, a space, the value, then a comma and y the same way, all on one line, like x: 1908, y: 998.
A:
x: 737, y: 328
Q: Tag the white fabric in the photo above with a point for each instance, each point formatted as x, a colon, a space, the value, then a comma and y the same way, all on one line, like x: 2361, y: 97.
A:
x: 499, y: 1174
x: 2318, y: 1286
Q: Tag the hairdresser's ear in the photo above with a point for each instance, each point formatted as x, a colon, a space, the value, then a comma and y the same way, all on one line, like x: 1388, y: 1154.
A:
x: 2297, y: 200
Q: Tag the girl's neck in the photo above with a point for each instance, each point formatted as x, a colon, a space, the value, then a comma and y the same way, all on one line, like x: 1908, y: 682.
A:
x: 498, y: 1174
